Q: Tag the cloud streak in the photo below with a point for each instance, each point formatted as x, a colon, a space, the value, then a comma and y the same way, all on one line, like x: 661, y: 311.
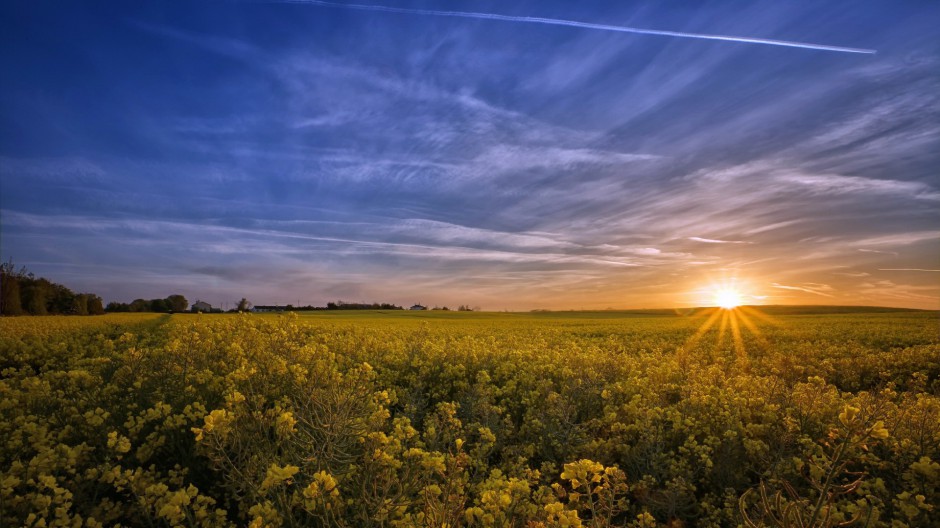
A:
x: 815, y: 289
x: 582, y: 25
x: 908, y: 269
x: 716, y: 241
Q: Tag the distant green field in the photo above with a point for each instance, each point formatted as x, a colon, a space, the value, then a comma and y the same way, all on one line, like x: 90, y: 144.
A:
x: 542, y: 315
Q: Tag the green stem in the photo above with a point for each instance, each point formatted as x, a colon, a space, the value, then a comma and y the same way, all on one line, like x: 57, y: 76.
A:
x: 823, y: 491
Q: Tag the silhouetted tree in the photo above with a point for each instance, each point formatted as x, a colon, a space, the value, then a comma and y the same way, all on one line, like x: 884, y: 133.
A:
x: 21, y: 292
x: 79, y: 304
x: 36, y: 296
x: 62, y: 300
x: 94, y: 304
x: 177, y: 303
x: 243, y: 305
x: 10, y: 301
x: 139, y: 305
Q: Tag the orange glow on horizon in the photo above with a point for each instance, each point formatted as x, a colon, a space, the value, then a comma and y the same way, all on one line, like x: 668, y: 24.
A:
x: 728, y: 298
x: 727, y: 293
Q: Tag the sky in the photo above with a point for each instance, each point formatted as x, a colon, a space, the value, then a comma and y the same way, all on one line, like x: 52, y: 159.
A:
x: 542, y: 158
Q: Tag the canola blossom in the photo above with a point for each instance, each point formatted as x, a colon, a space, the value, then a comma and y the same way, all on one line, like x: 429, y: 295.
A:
x: 476, y: 420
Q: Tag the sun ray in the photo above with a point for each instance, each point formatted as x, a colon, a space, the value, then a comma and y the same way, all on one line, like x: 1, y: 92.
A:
x: 722, y: 328
x: 757, y: 314
x: 739, y: 351
x: 692, y: 341
x: 729, y: 317
x: 745, y: 316
x: 733, y: 320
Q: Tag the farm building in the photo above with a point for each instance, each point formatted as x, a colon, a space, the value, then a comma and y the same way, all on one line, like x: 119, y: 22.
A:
x: 274, y: 308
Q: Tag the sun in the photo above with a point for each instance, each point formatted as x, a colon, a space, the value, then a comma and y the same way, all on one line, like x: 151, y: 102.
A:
x: 728, y: 298
x: 727, y: 293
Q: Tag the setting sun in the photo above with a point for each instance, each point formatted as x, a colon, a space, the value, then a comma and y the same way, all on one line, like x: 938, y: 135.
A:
x: 727, y: 298
x: 728, y: 292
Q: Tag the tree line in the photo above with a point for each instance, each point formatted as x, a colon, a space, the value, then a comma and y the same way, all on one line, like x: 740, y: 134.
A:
x: 343, y: 305
x: 22, y: 293
x: 173, y: 303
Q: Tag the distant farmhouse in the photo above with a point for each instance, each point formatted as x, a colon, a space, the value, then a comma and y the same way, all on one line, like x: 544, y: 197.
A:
x: 201, y: 306
x: 418, y: 307
x: 263, y: 308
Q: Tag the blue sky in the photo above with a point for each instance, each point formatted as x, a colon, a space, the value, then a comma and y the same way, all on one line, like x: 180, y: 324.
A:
x: 291, y: 152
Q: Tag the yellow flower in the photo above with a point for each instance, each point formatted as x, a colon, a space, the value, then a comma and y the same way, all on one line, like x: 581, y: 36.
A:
x: 848, y: 415
x: 323, y: 484
x: 559, y: 516
x: 119, y: 443
x: 327, y: 482
x: 217, y: 420
x: 277, y: 475
x: 285, y: 423
x: 879, y: 430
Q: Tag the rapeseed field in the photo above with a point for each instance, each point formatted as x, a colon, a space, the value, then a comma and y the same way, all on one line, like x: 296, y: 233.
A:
x: 710, y: 418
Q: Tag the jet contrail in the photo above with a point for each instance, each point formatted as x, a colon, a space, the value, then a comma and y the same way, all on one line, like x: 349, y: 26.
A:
x: 906, y: 269
x: 575, y: 23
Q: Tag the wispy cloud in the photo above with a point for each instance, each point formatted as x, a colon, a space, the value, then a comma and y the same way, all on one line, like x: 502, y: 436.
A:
x: 230, y: 47
x: 900, y: 239
x: 836, y: 184
x: 886, y: 289
x: 879, y: 252
x: 815, y: 289
x: 716, y: 241
x: 437, y: 241
x: 52, y: 170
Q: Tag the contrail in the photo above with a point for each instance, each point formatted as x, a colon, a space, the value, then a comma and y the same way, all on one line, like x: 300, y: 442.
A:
x: 575, y: 23
x: 906, y: 269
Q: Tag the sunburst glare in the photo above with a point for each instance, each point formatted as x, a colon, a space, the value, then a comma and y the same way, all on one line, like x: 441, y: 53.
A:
x: 730, y: 317
x: 727, y: 293
x: 728, y: 298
